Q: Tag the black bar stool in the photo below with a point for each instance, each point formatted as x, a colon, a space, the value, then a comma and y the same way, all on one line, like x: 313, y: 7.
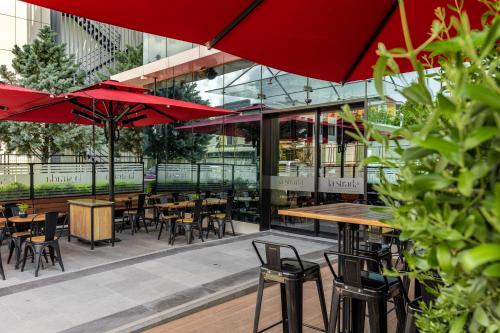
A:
x: 363, y: 287
x: 413, y: 309
x: 291, y: 274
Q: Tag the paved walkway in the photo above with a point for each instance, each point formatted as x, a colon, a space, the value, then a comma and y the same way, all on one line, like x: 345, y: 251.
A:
x: 109, y: 290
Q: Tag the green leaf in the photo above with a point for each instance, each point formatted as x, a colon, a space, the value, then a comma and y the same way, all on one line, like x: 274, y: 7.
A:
x: 466, y: 182
x: 447, y: 148
x: 415, y: 153
x: 483, y: 94
x: 458, y: 324
x: 418, y: 94
x: 378, y: 74
x: 480, y: 135
x: 444, y: 257
x: 430, y: 182
x: 492, y: 37
x: 492, y: 271
x: 481, y: 317
x: 480, y: 255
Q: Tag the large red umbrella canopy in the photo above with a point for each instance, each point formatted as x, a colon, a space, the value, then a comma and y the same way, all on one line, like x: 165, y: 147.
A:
x: 334, y: 40
x: 110, y: 104
x: 109, y: 100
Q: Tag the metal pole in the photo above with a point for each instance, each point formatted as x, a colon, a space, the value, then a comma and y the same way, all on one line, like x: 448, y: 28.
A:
x: 111, y: 158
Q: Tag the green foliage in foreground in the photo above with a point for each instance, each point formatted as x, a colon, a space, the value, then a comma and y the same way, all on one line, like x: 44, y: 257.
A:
x: 447, y: 197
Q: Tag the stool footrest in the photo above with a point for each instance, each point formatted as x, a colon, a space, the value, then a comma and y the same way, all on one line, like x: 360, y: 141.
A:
x: 269, y: 327
x: 314, y: 327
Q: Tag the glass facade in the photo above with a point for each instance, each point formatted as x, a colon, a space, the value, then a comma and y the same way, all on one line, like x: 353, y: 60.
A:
x: 235, y: 142
x: 19, y: 24
x: 156, y: 47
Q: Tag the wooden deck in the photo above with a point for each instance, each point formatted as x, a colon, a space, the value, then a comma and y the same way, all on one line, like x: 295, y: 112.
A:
x: 236, y: 316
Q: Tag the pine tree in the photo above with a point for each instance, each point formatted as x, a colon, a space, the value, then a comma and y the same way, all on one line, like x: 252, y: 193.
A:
x: 166, y: 143
x: 43, y: 65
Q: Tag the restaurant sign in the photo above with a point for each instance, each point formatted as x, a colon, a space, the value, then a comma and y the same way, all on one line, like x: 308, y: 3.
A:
x: 292, y: 183
x: 342, y: 185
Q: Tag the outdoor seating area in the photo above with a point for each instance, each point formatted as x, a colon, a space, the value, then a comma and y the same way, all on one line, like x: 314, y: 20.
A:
x: 249, y: 166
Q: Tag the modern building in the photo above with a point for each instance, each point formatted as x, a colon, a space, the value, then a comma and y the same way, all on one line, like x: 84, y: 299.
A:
x: 299, y: 115
x: 94, y: 44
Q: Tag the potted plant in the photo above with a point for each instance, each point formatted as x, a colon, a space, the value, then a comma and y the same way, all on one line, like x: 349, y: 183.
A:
x: 23, y: 209
x: 446, y: 198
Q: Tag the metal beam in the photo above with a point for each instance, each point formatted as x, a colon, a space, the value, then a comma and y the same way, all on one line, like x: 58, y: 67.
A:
x: 234, y: 23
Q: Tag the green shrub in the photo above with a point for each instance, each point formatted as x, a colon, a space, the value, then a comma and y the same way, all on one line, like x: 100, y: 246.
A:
x: 447, y: 197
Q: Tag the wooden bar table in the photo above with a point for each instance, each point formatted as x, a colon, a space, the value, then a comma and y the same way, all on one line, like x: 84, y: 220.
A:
x: 349, y: 217
x: 190, y: 203
x: 92, y: 220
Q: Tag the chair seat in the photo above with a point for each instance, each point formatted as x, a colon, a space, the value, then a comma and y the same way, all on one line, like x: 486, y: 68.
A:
x: 21, y: 234
x: 373, y: 281
x: 185, y: 220
x: 292, y: 266
x: 39, y: 239
x: 168, y: 217
x: 218, y: 216
x: 383, y: 249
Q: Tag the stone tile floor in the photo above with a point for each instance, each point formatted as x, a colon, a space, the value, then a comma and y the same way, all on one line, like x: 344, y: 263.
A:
x: 139, y: 281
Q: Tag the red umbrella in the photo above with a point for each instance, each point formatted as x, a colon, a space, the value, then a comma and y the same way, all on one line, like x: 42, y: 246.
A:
x: 109, y: 104
x: 14, y: 98
x: 332, y: 40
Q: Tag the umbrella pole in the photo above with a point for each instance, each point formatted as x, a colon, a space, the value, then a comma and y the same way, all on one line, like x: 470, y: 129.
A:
x: 111, y: 159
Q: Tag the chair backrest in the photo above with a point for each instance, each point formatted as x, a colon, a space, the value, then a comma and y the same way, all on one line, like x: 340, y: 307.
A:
x: 163, y: 199
x: 273, y: 254
x: 141, y: 202
x: 11, y: 209
x: 51, y: 219
x: 353, y: 267
x: 198, y: 205
x: 229, y: 207
x: 175, y: 195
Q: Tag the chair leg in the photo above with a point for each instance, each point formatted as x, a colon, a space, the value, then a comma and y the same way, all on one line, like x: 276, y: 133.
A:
x: 11, y: 250
x: 38, y: 260
x: 378, y: 315
x: 284, y: 315
x: 294, y: 293
x: 144, y: 222
x: 232, y: 227
x: 25, y: 256
x: 161, y: 228
x: 51, y: 253
x: 58, y: 253
x: 45, y: 256
x: 258, y: 305
x: 400, y: 313
x: 200, y: 230
x: 322, y: 302
x: 334, y: 311
x: 2, y: 273
x: 189, y: 233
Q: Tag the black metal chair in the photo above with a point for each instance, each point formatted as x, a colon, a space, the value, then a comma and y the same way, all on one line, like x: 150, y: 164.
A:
x: 134, y: 216
x: 17, y: 236
x: 167, y: 220
x: 222, y: 218
x: 40, y: 239
x: 362, y: 287
x: 190, y: 223
x: 412, y: 311
x: 291, y: 274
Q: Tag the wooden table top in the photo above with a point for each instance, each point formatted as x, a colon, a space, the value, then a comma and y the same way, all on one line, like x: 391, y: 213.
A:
x: 341, y: 212
x: 190, y: 203
x: 29, y: 218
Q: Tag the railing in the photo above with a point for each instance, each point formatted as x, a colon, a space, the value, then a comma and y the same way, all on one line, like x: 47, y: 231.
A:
x: 45, y: 180
x: 206, y: 177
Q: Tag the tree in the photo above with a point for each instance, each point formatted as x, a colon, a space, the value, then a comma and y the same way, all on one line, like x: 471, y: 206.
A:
x: 130, y: 139
x: 43, y: 65
x: 165, y: 143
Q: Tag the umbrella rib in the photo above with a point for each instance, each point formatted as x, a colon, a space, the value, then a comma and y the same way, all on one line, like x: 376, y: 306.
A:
x: 161, y: 113
x: 83, y: 106
x: 234, y: 23
x: 370, y: 40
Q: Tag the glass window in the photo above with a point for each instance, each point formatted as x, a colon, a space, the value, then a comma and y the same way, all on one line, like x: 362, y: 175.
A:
x: 7, y: 32
x: 8, y: 7
x: 155, y: 48
x: 176, y: 46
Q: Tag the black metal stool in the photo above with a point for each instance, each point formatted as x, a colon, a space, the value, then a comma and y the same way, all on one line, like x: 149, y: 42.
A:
x: 291, y: 274
x: 362, y: 287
